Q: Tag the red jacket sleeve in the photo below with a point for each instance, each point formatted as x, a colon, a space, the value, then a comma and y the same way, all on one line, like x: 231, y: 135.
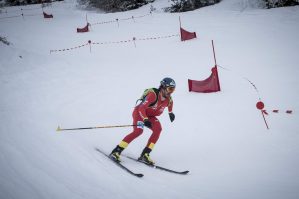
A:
x: 149, y: 99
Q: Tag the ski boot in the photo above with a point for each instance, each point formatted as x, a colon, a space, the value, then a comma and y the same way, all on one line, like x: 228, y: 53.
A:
x: 145, y: 158
x: 115, y: 154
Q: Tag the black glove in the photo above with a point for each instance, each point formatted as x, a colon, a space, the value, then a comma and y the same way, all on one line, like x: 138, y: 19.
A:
x: 147, y: 123
x: 171, y: 117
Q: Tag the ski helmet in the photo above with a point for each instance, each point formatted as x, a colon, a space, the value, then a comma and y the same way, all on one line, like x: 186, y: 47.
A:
x: 168, y: 82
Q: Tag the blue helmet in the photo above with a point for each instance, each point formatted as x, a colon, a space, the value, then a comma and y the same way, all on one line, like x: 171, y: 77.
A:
x: 167, y: 82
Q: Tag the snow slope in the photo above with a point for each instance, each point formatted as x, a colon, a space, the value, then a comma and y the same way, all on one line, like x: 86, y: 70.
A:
x: 220, y: 137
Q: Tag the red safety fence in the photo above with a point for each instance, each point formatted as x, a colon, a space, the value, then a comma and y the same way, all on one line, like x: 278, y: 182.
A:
x: 6, y: 12
x: 134, y: 39
x: 21, y: 15
x: 45, y: 15
x: 117, y: 20
x: 9, y: 17
x: 287, y: 111
x: 19, y: 10
x: 278, y: 111
x: 72, y: 48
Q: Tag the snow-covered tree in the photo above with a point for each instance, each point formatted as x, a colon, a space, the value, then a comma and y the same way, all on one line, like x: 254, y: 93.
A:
x: 187, y: 5
x: 116, y: 5
x: 26, y: 2
x: 4, y: 40
x: 280, y: 3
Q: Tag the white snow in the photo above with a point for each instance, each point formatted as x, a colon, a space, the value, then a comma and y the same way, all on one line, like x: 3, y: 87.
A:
x: 220, y: 137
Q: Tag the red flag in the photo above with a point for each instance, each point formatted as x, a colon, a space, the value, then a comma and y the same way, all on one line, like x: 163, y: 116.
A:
x: 185, y: 35
x: 209, y: 85
x: 85, y: 29
x: 47, y: 15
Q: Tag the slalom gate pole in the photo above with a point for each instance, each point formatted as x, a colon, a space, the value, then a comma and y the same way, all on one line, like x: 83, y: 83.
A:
x: 265, y: 119
x: 180, y: 22
x: 96, y: 127
x: 180, y: 28
x: 214, y: 53
x: 216, y: 65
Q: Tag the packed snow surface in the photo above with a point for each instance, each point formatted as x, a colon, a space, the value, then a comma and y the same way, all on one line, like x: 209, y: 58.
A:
x: 221, y: 138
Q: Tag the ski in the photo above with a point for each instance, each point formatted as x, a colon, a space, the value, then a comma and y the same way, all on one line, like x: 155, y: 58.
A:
x: 159, y: 167
x: 120, y: 164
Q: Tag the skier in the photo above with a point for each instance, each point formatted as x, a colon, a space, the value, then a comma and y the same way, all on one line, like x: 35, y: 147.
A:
x: 153, y: 103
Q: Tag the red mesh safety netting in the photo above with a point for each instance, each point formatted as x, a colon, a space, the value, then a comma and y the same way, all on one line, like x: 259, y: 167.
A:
x: 211, y: 84
x: 185, y: 35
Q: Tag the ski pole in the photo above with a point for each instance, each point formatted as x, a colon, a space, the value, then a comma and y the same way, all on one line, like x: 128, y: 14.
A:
x: 96, y: 127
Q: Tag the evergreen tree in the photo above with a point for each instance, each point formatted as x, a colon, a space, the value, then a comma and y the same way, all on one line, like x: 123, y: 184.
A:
x: 280, y: 3
x: 188, y: 5
x: 4, y: 40
x: 116, y: 5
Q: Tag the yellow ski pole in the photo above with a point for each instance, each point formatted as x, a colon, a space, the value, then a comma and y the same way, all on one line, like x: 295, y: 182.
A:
x: 96, y: 127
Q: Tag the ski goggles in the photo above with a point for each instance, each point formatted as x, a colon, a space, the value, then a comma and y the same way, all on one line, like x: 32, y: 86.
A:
x: 170, y: 89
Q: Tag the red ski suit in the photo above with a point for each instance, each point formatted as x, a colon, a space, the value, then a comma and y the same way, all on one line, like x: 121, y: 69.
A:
x: 143, y: 111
